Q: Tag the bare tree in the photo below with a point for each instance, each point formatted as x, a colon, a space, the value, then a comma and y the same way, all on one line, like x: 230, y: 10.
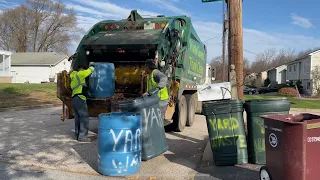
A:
x: 15, y: 27
x: 41, y: 26
x: 272, y: 58
x: 41, y: 10
x: 305, y: 52
x: 218, y: 65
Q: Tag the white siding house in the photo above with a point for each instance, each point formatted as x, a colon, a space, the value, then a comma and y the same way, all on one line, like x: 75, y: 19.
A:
x: 301, y: 69
x: 261, y: 77
x: 38, y: 67
x: 277, y: 75
x: 5, y: 67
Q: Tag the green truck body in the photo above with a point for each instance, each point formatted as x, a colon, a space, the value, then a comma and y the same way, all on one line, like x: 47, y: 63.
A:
x: 171, y: 41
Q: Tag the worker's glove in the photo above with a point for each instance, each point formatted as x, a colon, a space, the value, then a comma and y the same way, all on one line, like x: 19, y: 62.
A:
x: 155, y: 91
x: 145, y: 94
x: 91, y: 64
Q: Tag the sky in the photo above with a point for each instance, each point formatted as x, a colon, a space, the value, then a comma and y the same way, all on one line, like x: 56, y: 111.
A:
x: 266, y: 24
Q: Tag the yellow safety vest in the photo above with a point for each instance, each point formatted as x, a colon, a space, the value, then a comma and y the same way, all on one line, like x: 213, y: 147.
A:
x: 78, y: 80
x: 152, y: 84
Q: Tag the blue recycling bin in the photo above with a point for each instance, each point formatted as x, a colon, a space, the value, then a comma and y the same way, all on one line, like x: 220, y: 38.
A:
x: 119, y: 143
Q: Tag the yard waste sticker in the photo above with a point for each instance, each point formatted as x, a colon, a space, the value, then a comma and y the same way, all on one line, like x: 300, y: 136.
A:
x: 227, y: 126
x: 132, y: 142
x: 313, y: 126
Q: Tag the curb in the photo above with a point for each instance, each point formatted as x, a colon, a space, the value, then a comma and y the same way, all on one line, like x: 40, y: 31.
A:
x: 305, y: 110
x: 28, y: 107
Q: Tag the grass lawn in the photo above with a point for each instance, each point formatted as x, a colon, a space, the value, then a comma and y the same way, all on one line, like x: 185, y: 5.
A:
x: 295, y: 103
x: 15, y: 95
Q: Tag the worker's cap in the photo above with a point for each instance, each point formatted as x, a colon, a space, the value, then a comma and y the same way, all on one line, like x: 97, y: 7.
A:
x: 150, y: 63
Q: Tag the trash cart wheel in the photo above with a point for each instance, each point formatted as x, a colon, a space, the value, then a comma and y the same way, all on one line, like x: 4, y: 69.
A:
x: 264, y: 173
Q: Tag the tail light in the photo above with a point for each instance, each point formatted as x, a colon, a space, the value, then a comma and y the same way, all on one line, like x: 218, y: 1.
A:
x: 112, y: 26
x: 121, y: 51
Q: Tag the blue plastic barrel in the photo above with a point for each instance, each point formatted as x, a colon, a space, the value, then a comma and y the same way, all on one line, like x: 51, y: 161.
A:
x: 102, y: 81
x: 119, y: 143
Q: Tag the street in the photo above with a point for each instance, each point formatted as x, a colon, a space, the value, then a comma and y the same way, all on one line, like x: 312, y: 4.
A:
x: 36, y: 144
x: 39, y: 145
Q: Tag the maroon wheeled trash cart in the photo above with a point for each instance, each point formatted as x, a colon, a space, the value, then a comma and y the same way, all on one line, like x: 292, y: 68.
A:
x: 292, y: 144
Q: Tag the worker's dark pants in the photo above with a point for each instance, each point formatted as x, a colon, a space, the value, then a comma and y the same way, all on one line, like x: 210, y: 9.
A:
x: 163, y: 106
x: 81, y: 117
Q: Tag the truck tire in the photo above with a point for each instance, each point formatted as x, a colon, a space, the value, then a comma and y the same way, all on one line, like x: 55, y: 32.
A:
x: 179, y: 117
x: 191, y: 106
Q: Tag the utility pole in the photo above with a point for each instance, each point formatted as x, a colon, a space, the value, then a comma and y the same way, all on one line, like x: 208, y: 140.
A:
x: 235, y: 41
x: 224, y: 30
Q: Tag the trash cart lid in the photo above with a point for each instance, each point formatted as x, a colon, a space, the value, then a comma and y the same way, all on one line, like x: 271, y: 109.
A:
x: 269, y: 99
x: 291, y: 118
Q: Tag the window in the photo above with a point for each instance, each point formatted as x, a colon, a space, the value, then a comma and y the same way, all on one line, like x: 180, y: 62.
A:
x: 294, y: 68
x: 289, y: 68
x: 308, y: 85
x: 306, y: 64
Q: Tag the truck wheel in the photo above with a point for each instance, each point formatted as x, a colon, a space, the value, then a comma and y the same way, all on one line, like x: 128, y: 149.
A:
x: 191, y: 105
x: 179, y: 117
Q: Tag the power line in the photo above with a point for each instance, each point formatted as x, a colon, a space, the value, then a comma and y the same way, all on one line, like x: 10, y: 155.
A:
x: 221, y: 37
x: 250, y: 52
x: 210, y: 39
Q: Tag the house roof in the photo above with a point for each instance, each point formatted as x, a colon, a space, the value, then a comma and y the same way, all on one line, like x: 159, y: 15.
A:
x: 304, y: 56
x: 8, y: 53
x: 36, y: 59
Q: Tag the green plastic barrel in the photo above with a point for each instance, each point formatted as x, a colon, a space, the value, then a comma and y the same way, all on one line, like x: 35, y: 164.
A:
x: 255, y: 124
x: 226, y: 131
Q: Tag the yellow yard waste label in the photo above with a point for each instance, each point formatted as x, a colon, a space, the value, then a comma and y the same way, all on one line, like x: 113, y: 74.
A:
x: 313, y: 126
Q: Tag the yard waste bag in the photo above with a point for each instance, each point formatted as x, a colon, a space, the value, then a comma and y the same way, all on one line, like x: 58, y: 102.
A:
x: 154, y: 141
x: 255, y: 124
x: 226, y: 131
x: 119, y: 143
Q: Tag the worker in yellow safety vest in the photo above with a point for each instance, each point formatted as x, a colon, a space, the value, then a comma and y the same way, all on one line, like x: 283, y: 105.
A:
x: 157, y: 83
x: 79, y: 101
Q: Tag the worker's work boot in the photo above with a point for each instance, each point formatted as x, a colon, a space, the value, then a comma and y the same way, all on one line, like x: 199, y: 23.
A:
x: 75, y: 137
x: 85, y: 140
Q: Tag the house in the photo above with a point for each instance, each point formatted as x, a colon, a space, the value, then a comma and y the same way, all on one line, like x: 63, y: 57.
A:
x: 301, y: 68
x: 39, y: 67
x: 277, y: 75
x: 261, y: 77
x: 5, y: 67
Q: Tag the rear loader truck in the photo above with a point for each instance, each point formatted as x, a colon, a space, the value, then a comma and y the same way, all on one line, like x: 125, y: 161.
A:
x: 173, y: 44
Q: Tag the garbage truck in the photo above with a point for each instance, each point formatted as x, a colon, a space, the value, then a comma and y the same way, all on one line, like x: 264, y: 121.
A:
x: 171, y: 42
